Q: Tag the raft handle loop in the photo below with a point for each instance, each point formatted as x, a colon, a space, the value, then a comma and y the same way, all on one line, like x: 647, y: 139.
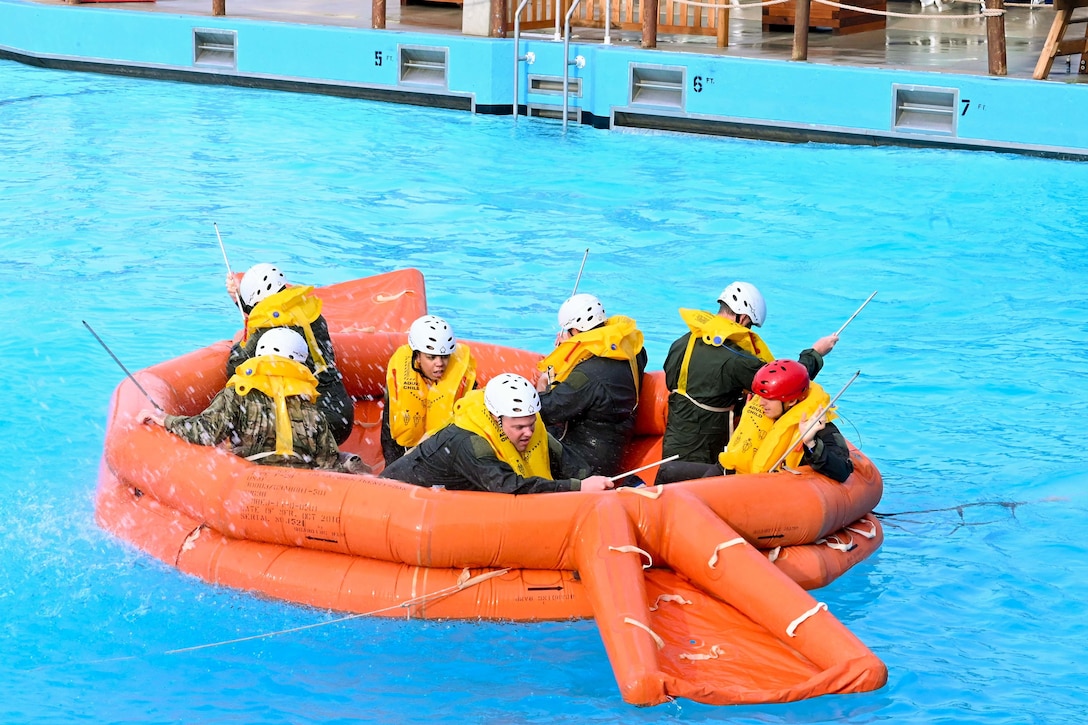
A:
x: 381, y: 298
x: 653, y: 492
x: 657, y: 639
x: 634, y: 550
x: 724, y: 545
x: 871, y: 534
x: 668, y: 598
x: 790, y: 630
x: 833, y: 542
x: 715, y: 651
x: 772, y: 555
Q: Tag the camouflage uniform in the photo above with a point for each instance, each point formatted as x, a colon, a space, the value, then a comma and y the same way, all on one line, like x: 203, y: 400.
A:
x: 249, y: 423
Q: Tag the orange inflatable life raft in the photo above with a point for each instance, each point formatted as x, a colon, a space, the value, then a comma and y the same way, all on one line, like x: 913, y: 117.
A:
x: 698, y: 587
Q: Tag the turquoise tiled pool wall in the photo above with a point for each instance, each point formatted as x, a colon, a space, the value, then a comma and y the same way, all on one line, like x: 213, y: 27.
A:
x: 616, y: 85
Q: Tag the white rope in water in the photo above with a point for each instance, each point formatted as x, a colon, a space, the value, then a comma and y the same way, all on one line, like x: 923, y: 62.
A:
x: 464, y: 582
x: 634, y: 550
x: 724, y: 545
x: 792, y: 629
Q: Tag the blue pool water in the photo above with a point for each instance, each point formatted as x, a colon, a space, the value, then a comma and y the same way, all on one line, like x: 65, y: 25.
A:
x: 973, y: 390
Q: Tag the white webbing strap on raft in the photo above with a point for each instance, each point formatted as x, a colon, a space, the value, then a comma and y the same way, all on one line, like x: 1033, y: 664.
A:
x: 660, y: 642
x: 668, y: 598
x: 634, y: 550
x: 380, y: 298
x: 870, y: 534
x: 715, y: 652
x: 645, y: 491
x: 772, y: 555
x: 724, y: 545
x: 833, y: 542
x: 790, y: 630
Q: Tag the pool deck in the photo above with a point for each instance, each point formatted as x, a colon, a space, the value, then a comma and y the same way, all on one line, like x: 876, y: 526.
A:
x: 935, y: 38
x: 921, y: 81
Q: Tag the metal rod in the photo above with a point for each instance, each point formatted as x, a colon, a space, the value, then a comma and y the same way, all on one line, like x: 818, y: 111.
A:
x: 839, y: 331
x: 566, y: 60
x: 517, y: 55
x: 815, y: 419
x: 122, y: 366
x: 222, y: 248
x: 640, y: 469
x: 578, y: 279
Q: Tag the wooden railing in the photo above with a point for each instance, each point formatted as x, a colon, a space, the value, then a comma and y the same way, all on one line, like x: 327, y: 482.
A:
x: 673, y: 17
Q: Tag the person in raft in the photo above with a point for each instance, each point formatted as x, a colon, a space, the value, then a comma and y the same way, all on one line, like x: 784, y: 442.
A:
x: 423, y: 381
x: 785, y: 406
x: 496, y: 443
x: 267, y: 411
x: 270, y: 303
x: 590, y: 384
x: 709, y: 371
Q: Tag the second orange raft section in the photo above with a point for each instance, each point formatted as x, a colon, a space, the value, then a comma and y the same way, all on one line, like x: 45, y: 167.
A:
x: 698, y: 588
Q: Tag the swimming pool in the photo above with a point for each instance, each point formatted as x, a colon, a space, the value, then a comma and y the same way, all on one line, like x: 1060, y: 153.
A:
x: 973, y: 379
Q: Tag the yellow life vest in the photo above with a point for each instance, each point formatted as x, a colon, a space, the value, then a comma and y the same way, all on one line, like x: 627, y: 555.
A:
x: 618, y: 339
x: 759, y: 441
x: 291, y: 307
x: 416, y: 407
x: 278, y: 378
x: 715, y: 330
x: 471, y: 414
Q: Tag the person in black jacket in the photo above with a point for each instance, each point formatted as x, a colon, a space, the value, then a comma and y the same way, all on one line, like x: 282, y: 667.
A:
x: 590, y: 387
x: 268, y: 303
x: 496, y: 443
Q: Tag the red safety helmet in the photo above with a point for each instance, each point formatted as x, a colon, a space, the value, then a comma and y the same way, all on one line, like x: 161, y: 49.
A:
x: 785, y: 380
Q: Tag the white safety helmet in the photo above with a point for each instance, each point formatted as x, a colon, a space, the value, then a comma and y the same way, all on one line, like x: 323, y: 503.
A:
x: 510, y: 395
x: 262, y: 280
x: 582, y: 312
x: 284, y: 342
x: 744, y: 299
x: 432, y: 335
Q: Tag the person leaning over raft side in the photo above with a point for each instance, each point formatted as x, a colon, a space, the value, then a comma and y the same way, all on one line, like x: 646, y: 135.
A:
x: 423, y: 381
x: 267, y: 411
x: 496, y: 443
x: 785, y: 404
x: 589, y: 391
x: 708, y: 372
x: 269, y: 303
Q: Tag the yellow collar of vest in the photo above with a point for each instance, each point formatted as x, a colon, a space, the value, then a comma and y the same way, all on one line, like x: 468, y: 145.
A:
x: 471, y: 414
x: 278, y: 378
x: 416, y: 408
x: 291, y: 307
x: 716, y: 330
x: 618, y: 339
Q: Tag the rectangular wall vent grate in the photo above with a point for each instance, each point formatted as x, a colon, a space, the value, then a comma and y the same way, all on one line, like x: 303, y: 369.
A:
x: 553, y: 86
x: 215, y: 47
x: 924, y: 109
x: 423, y: 66
x: 660, y: 86
x: 574, y: 115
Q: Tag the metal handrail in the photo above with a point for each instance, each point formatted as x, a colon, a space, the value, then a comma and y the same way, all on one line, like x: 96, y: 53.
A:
x: 528, y: 57
x: 567, y: 62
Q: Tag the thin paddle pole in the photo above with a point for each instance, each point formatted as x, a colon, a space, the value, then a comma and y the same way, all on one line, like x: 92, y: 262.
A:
x: 815, y: 419
x: 640, y: 469
x: 578, y: 280
x: 122, y: 366
x: 223, y: 249
x: 839, y: 331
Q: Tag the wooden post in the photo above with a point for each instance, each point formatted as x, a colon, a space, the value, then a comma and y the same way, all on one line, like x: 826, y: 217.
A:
x: 498, y: 19
x: 800, y: 29
x: 723, y: 25
x: 377, y: 14
x: 995, y: 39
x: 649, y: 23
x: 219, y: 7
